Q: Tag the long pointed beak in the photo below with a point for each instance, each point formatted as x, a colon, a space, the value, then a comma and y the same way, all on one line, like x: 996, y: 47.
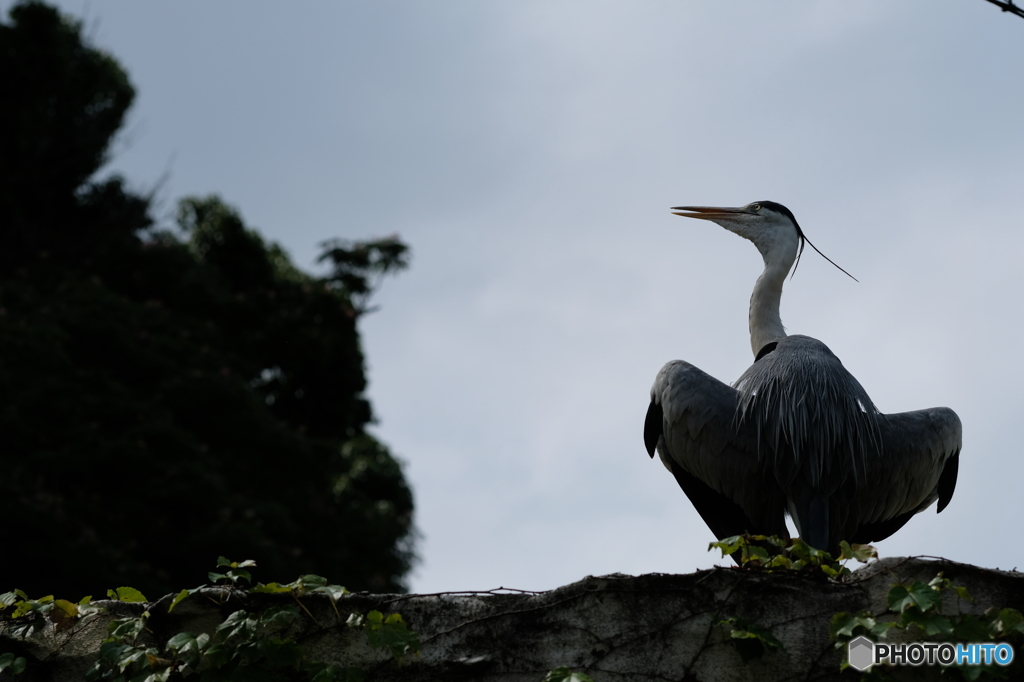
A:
x: 706, y: 212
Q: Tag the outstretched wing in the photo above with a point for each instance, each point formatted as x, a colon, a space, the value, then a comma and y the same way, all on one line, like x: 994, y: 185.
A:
x: 692, y: 423
x: 917, y: 465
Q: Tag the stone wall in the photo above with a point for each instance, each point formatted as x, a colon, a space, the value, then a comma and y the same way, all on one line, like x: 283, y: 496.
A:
x: 615, y: 627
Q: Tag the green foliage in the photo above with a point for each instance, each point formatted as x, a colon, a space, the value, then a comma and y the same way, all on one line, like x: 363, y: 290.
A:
x: 750, y: 639
x: 247, y: 645
x: 774, y: 553
x: 129, y: 594
x: 23, y: 617
x: 170, y: 394
x: 391, y: 633
x: 16, y: 664
x: 916, y: 608
x: 357, y: 267
x: 237, y: 571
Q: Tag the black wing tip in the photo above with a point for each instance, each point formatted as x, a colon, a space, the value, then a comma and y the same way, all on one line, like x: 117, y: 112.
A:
x: 653, y: 427
x: 947, y: 481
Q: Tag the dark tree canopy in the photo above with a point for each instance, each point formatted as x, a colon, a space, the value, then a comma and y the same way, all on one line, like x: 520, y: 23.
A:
x: 168, y: 396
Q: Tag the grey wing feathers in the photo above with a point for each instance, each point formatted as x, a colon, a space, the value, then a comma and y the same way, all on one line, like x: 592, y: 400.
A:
x: 917, y: 466
x: 815, y: 421
x: 713, y: 458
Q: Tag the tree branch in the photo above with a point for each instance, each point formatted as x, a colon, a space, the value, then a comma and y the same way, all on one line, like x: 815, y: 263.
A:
x: 1008, y: 6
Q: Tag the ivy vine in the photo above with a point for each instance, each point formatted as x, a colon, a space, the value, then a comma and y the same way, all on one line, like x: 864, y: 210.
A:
x: 248, y: 645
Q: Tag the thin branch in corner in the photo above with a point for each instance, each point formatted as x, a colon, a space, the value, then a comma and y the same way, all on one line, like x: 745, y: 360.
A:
x: 1008, y: 6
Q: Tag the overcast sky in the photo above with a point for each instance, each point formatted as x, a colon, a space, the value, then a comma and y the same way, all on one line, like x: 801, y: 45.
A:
x: 529, y: 152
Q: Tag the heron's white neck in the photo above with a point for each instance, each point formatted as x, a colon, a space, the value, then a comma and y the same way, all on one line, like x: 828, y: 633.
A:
x: 765, y: 322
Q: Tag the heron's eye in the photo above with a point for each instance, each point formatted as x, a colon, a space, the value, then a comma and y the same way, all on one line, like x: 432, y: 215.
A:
x: 756, y: 207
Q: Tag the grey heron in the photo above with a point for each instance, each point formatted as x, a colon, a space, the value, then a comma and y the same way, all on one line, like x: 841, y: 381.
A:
x: 796, y: 433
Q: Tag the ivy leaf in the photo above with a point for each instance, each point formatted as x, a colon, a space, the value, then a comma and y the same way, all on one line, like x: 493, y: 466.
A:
x: 308, y: 583
x: 833, y: 572
x: 750, y: 639
x: 181, y: 640
x: 862, y: 553
x: 844, y: 626
x: 238, y: 624
x: 17, y: 664
x: 272, y: 588
x: 111, y: 650
x: 239, y: 574
x: 188, y: 647
x: 899, y: 598
x: 919, y: 595
x: 391, y: 633
x: 728, y: 545
x: 781, y: 561
x: 134, y: 656
x: 963, y: 593
x: 127, y: 594
x: 765, y: 635
x: 1004, y: 621
x: 820, y: 556
x: 177, y: 599
x: 218, y: 655
x: 127, y: 628
x: 971, y: 629
x: 282, y: 616
x: 931, y: 623
x: 63, y: 615
x: 801, y: 551
x: 335, y: 592
x: 25, y: 607
x: 755, y: 555
x: 880, y: 630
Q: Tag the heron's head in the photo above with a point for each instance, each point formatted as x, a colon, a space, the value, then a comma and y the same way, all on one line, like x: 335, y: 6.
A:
x: 769, y: 225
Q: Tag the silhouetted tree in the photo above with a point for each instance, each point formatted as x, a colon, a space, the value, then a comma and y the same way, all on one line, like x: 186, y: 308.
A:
x: 168, y: 396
